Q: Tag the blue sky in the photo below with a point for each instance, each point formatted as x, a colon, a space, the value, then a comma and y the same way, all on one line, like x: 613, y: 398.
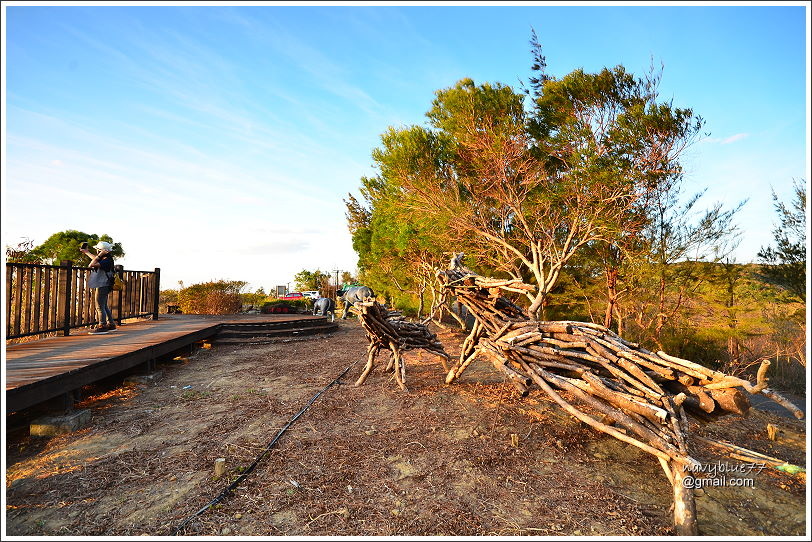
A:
x: 217, y: 142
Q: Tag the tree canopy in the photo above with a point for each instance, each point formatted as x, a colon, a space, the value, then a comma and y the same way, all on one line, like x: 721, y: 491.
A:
x: 785, y: 264
x: 575, y: 186
x: 520, y: 190
x: 306, y: 281
x: 65, y: 245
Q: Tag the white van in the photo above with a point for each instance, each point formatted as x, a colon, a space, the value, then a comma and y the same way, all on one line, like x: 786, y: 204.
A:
x: 313, y: 294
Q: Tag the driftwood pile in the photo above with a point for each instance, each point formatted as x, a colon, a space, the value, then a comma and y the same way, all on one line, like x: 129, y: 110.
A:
x: 617, y: 387
x: 388, y: 330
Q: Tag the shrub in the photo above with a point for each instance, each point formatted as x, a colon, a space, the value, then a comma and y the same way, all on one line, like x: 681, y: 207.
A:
x: 166, y: 298
x: 256, y: 298
x: 286, y: 305
x: 215, y: 297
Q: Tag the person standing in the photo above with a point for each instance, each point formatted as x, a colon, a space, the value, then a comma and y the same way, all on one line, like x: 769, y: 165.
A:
x: 101, y: 281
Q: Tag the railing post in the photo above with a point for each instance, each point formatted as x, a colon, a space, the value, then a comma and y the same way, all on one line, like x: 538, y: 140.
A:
x: 119, y: 270
x: 65, y: 288
x: 157, y: 293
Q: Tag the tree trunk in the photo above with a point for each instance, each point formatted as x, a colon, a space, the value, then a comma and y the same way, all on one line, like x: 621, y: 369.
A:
x: 660, y: 321
x: 611, y: 292
x: 733, y: 351
x: 421, y: 296
x: 535, y: 309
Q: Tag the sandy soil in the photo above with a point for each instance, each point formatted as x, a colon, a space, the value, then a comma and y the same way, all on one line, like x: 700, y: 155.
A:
x: 371, y: 460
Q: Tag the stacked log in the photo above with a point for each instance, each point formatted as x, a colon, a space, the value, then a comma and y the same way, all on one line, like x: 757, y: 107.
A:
x: 617, y: 387
x: 389, y: 330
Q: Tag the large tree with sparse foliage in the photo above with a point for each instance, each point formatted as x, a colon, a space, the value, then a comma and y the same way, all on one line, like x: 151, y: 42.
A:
x: 522, y: 191
x: 785, y: 263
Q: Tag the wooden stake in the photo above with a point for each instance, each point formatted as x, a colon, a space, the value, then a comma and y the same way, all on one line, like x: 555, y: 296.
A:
x: 684, y: 503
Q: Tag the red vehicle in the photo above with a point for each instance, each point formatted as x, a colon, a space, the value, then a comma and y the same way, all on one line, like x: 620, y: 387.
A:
x: 292, y: 296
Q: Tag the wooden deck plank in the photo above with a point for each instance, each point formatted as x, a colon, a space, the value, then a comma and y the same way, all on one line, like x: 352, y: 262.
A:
x: 43, y: 369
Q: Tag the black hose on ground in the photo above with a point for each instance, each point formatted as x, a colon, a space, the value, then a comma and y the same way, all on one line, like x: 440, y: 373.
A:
x: 253, y: 465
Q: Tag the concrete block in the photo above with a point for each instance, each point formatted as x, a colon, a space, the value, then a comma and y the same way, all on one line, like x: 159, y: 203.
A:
x: 50, y: 426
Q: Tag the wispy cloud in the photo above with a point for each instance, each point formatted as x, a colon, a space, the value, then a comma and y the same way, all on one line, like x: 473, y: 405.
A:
x: 733, y: 139
x: 329, y: 73
x: 98, y: 157
x: 727, y: 140
x: 205, y: 91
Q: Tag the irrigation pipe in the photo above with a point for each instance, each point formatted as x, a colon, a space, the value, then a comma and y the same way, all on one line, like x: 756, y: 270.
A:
x: 223, y: 494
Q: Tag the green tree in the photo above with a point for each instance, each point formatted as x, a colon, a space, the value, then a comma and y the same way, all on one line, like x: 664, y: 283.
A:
x: 523, y: 193
x: 348, y: 278
x: 306, y: 280
x: 680, y: 240
x: 255, y: 299
x: 396, y: 255
x: 608, y: 129
x: 65, y: 245
x: 785, y: 264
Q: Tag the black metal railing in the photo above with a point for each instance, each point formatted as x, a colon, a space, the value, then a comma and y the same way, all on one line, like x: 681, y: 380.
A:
x: 43, y: 299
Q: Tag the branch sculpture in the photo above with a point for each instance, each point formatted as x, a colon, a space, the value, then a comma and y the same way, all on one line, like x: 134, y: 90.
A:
x: 617, y: 387
x: 387, y: 330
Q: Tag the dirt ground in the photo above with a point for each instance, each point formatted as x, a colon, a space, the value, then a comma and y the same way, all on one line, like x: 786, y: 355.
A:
x: 372, y: 460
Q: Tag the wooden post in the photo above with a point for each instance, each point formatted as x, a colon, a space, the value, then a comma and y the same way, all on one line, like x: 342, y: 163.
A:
x: 18, y: 298
x: 684, y: 504
x: 119, y: 270
x: 69, y: 399
x: 54, y: 298
x: 399, y: 372
x: 65, y: 289
x: 9, y: 279
x: 37, y: 315
x: 157, y: 293
x: 28, y: 287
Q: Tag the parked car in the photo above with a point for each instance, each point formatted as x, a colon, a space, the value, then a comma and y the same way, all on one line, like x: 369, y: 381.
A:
x: 293, y: 295
x: 312, y: 294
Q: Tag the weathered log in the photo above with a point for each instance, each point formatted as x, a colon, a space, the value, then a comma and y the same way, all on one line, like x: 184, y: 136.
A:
x: 511, y: 374
x: 691, y: 368
x: 684, y: 502
x: 372, y: 351
x: 730, y: 400
x: 781, y: 400
x: 594, y: 423
x: 636, y: 372
x: 555, y: 327
x: 698, y: 396
x: 628, y: 402
x: 518, y: 380
x: 678, y: 423
x: 646, y: 395
x: 395, y: 335
x: 626, y: 419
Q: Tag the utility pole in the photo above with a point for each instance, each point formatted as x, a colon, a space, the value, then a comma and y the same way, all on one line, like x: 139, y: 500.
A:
x: 336, y: 271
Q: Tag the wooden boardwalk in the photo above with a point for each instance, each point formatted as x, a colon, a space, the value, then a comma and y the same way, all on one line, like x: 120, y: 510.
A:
x: 41, y: 370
